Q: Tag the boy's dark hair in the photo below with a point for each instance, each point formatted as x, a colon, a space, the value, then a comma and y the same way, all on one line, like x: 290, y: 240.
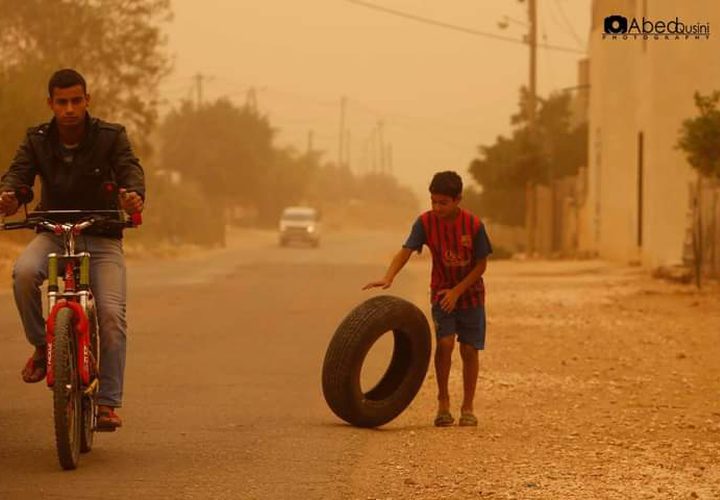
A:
x: 448, y: 183
x: 65, y: 78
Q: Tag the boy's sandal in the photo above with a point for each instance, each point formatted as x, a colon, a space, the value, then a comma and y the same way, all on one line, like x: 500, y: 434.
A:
x: 35, y: 369
x: 468, y: 419
x: 444, y: 419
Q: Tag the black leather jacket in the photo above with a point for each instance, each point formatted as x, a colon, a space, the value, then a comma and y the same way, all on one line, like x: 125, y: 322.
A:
x: 103, y: 155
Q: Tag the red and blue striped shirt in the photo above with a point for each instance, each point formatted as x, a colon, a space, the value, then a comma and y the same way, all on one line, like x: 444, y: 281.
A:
x: 456, y: 247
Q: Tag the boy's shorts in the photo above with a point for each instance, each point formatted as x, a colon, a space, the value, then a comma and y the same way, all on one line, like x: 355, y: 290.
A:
x: 468, y: 324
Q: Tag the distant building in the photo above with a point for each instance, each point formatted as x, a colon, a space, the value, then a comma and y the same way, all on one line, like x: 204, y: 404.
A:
x: 638, y: 183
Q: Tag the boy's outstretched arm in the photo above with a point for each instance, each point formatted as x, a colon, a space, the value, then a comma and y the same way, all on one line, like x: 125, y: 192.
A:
x: 396, y: 265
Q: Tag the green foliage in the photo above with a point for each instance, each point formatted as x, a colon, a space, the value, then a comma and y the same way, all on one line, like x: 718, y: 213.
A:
x: 503, y: 205
x: 285, y: 182
x: 224, y: 153
x: 178, y: 213
x: 700, y: 136
x: 331, y: 184
x: 700, y: 140
x: 377, y: 201
x: 22, y: 104
x: 116, y: 44
x: 383, y: 188
x: 552, y: 150
x: 223, y: 148
x: 228, y: 152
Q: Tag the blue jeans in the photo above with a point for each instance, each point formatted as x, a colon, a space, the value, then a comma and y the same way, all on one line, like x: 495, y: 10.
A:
x: 108, y: 283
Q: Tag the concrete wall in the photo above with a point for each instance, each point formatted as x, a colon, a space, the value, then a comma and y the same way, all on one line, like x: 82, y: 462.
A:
x: 643, y: 87
x: 613, y: 129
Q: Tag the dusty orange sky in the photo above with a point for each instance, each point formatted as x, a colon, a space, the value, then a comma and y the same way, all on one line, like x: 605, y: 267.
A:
x: 440, y: 93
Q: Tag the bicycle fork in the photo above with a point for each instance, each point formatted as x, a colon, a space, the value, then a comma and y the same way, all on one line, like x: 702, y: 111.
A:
x: 78, y: 302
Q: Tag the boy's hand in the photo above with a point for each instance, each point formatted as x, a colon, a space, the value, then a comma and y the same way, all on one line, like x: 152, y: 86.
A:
x: 130, y: 201
x: 383, y: 283
x: 449, y: 299
x: 8, y: 203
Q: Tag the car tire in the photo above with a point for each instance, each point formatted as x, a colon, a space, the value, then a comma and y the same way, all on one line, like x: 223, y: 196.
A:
x: 347, y: 351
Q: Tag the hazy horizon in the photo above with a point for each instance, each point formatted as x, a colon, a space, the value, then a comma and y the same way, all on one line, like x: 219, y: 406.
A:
x: 440, y: 93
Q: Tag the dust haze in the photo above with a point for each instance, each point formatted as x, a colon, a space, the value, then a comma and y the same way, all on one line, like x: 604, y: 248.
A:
x: 439, y: 93
x: 288, y: 147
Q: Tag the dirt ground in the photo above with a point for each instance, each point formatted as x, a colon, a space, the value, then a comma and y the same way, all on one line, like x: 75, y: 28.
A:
x: 597, y: 382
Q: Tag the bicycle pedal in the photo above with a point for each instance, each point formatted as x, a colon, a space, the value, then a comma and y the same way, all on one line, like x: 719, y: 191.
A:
x: 105, y: 429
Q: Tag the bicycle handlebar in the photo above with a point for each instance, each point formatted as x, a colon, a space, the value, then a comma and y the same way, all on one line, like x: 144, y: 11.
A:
x: 79, y: 219
x: 14, y: 225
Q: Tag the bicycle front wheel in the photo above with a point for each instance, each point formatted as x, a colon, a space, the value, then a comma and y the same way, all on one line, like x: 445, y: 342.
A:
x: 66, y: 391
x: 87, y: 431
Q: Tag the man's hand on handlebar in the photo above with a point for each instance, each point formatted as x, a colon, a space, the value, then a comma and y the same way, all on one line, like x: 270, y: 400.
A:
x: 8, y: 203
x: 130, y: 201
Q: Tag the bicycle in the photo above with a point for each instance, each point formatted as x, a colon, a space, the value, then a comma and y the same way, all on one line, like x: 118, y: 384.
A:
x: 73, y: 359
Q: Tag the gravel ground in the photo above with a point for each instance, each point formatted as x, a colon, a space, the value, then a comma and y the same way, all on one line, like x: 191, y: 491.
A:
x: 597, y: 382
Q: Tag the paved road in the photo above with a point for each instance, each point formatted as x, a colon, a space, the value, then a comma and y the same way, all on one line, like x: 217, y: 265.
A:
x: 598, y: 382
x: 223, y: 393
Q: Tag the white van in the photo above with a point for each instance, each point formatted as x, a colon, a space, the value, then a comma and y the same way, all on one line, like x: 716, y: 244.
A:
x: 300, y: 224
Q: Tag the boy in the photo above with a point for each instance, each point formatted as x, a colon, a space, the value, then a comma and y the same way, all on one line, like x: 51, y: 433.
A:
x: 459, y: 246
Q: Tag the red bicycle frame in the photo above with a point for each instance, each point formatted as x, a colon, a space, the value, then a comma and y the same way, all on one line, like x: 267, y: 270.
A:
x: 81, y: 328
x: 76, y: 294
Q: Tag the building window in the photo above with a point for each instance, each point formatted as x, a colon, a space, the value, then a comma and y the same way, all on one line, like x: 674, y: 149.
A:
x: 640, y: 168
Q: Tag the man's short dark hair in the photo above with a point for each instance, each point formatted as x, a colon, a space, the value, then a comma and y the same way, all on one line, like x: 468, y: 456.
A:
x: 65, y: 78
x: 448, y: 183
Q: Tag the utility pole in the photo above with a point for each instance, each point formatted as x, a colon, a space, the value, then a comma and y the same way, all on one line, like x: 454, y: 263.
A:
x: 530, y: 191
x: 310, y: 142
x: 341, y: 134
x: 381, y: 145
x: 531, y: 110
x: 366, y: 157
x: 199, y: 89
x: 251, y: 100
x: 390, y: 157
x: 532, y: 41
x: 373, y: 149
x: 347, y: 148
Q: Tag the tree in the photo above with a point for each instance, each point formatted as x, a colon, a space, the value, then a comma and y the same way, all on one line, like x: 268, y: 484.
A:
x: 700, y: 140
x: 226, y: 149
x: 118, y: 45
x: 286, y: 182
x: 552, y: 151
x: 700, y: 136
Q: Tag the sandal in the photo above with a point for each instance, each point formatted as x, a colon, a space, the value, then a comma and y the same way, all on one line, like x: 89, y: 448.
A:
x: 35, y: 368
x: 107, y: 419
x: 468, y: 419
x: 444, y: 419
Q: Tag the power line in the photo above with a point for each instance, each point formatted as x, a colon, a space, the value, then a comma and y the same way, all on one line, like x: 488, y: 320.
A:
x: 469, y: 31
x: 569, y: 24
x: 549, y: 64
x: 409, y: 123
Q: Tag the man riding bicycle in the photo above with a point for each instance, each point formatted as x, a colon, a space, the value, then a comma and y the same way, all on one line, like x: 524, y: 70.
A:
x: 74, y: 155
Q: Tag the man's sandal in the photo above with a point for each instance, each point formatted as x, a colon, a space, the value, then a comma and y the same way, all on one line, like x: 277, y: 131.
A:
x: 444, y: 419
x: 35, y: 368
x: 468, y: 419
x: 107, y: 419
